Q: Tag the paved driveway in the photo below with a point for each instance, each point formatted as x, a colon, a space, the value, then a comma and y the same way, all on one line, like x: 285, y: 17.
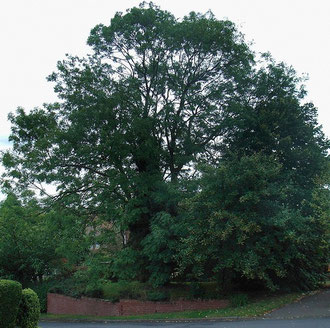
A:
x: 315, y: 306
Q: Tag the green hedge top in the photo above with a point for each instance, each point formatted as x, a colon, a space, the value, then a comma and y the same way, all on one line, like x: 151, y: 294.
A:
x: 10, y: 297
x: 29, y: 310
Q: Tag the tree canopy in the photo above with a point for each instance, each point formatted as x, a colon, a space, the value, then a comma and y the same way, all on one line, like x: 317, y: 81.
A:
x: 172, y: 129
x: 27, y: 250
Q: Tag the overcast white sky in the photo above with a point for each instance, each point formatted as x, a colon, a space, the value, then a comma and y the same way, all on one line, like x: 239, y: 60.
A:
x: 35, y: 34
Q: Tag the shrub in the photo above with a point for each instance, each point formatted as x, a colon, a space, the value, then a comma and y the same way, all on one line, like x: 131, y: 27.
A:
x: 157, y: 296
x: 123, y: 290
x: 212, y: 290
x: 196, y: 290
x: 29, y: 310
x: 94, y: 291
x: 69, y: 287
x: 237, y: 300
x: 41, y: 289
x: 10, y: 296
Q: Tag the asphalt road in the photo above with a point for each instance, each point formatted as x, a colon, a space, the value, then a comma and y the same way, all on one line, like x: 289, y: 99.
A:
x: 261, y: 323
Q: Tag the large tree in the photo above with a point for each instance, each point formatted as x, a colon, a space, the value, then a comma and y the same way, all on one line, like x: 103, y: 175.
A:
x: 156, y: 96
x: 135, y: 115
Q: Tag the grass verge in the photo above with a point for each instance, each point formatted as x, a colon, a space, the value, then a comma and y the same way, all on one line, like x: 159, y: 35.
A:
x: 253, y: 309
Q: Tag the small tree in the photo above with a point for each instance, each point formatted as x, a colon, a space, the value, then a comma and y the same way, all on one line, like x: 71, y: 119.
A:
x: 27, y: 249
x: 242, y: 229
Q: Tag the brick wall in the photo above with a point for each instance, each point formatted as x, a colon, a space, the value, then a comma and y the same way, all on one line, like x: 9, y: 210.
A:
x: 60, y: 304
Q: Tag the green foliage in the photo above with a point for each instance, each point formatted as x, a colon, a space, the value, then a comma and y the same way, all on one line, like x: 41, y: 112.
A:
x: 27, y: 249
x: 29, y: 310
x: 69, y: 228
x: 95, y: 291
x: 119, y: 141
x: 71, y: 287
x: 242, y: 229
x: 10, y: 297
x: 41, y: 289
x: 238, y: 300
x: 178, y: 153
x: 279, y: 124
x: 127, y: 265
x: 143, y: 291
x: 115, y: 291
x: 36, y: 241
x: 157, y: 296
x: 196, y: 290
x: 160, y: 247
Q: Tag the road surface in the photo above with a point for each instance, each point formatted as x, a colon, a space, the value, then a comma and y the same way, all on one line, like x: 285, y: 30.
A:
x: 260, y: 323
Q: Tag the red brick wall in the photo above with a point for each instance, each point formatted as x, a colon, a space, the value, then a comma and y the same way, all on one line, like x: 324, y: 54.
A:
x: 60, y: 304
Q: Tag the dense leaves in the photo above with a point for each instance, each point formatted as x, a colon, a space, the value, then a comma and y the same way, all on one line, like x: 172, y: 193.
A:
x: 27, y: 249
x: 29, y: 310
x: 174, y: 151
x: 37, y: 242
x: 10, y: 297
x: 245, y: 231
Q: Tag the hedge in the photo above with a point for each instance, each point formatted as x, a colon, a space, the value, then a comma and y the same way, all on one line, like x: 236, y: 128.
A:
x: 10, y: 297
x: 29, y: 310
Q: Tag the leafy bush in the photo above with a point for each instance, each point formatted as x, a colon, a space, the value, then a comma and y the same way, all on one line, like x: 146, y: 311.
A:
x: 213, y: 290
x: 41, y: 289
x: 237, y: 300
x: 69, y: 287
x: 124, y: 290
x: 196, y: 290
x: 157, y: 296
x: 94, y: 291
x: 29, y: 310
x: 10, y: 296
